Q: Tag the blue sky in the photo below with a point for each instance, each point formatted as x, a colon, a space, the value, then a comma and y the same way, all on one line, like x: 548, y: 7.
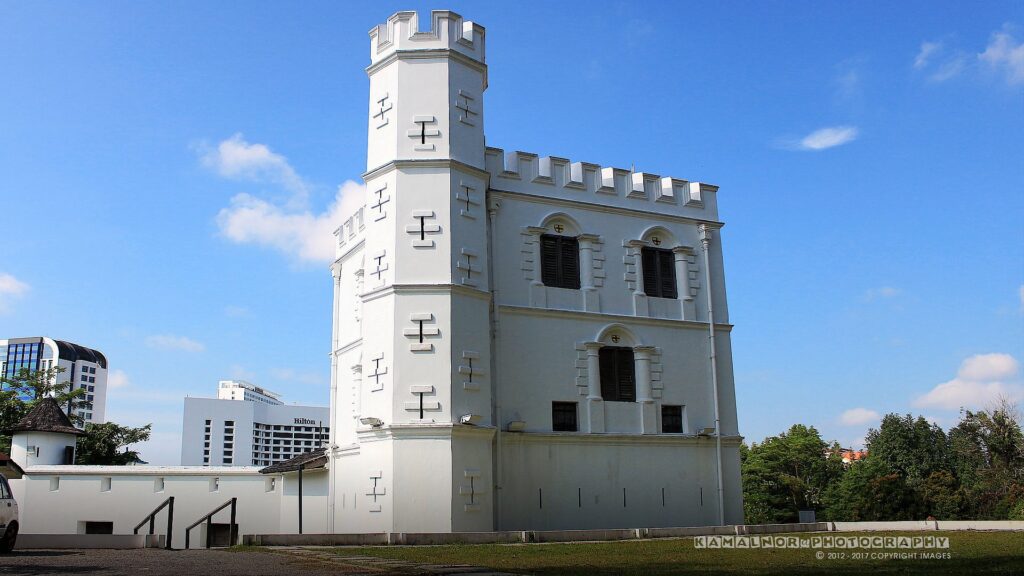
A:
x: 167, y: 172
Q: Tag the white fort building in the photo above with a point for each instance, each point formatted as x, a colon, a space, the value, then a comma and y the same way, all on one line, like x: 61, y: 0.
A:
x: 520, y: 342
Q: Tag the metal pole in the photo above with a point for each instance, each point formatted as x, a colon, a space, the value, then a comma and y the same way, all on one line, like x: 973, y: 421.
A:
x: 331, y: 433
x: 231, y: 527
x: 152, y: 520
x: 209, y: 531
x: 170, y: 521
x: 301, y: 466
x: 705, y: 240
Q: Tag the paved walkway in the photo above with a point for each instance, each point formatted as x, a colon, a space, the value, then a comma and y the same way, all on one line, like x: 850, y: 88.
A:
x: 271, y: 561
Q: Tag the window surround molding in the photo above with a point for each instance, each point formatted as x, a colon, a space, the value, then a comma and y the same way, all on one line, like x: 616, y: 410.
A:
x: 591, y: 259
x: 644, y: 356
x: 685, y: 258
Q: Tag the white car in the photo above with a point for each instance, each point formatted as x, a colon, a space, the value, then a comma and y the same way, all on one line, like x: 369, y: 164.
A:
x: 8, y: 517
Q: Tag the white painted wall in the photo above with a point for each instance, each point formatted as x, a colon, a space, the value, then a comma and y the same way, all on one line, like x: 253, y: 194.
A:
x: 57, y: 499
x: 47, y: 448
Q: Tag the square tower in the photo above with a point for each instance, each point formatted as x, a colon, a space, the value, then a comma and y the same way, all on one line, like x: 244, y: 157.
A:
x: 412, y: 408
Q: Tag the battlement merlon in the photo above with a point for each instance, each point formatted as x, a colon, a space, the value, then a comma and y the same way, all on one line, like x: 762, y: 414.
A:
x: 585, y: 182
x: 448, y: 32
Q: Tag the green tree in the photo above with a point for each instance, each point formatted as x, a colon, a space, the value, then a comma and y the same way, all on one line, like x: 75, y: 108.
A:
x: 905, y: 474
x: 19, y: 393
x: 908, y: 446
x: 987, y: 452
x: 787, y: 473
x: 103, y: 443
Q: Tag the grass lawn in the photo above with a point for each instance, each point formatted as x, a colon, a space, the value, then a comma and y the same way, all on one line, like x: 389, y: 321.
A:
x: 970, y: 553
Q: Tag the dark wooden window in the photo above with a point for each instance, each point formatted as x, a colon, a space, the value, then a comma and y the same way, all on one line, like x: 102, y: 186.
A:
x: 672, y: 419
x: 618, y: 379
x: 560, y: 261
x: 659, y: 272
x: 563, y: 417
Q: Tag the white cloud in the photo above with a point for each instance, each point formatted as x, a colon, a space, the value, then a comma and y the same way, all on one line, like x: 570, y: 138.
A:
x: 858, y: 417
x: 239, y: 372
x: 117, y: 379
x: 236, y: 311
x: 1004, y: 53
x: 824, y: 138
x: 989, y: 367
x: 950, y: 68
x: 297, y: 233
x: 848, y: 84
x: 289, y: 375
x: 237, y: 159
x: 928, y: 49
x: 10, y: 288
x: 980, y: 380
x: 882, y: 292
x: 171, y: 342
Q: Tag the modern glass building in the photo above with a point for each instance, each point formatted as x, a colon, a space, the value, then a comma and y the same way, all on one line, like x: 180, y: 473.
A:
x: 83, y: 367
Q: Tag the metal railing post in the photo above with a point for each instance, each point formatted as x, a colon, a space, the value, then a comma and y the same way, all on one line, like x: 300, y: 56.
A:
x: 231, y: 526
x: 209, y: 530
x: 151, y: 518
x: 170, y: 522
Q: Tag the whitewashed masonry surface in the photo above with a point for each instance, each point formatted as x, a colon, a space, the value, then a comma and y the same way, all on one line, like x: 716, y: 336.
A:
x: 454, y: 358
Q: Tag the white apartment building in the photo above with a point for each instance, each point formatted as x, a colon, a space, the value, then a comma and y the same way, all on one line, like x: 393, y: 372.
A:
x: 83, y: 368
x: 242, y: 390
x: 521, y: 342
x: 249, y: 431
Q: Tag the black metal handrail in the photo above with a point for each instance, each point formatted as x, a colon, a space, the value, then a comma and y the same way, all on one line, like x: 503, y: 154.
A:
x: 151, y: 518
x: 209, y: 523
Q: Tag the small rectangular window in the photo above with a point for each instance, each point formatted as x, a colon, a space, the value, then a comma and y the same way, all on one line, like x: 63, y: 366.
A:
x: 55, y: 484
x: 99, y: 527
x: 105, y: 484
x: 560, y: 261
x: 672, y: 419
x: 563, y: 417
x: 659, y: 269
x: 159, y: 484
x: 214, y: 484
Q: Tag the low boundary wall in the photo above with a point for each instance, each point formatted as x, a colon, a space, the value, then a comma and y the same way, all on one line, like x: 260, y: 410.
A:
x: 81, y: 541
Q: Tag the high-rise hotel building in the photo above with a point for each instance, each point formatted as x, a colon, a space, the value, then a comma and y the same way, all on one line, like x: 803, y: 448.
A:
x: 247, y: 425
x: 84, y: 368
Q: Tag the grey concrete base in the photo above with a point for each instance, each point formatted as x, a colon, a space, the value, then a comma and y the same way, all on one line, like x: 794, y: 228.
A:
x: 519, y: 536
x: 925, y: 525
x: 81, y: 541
x: 371, y: 539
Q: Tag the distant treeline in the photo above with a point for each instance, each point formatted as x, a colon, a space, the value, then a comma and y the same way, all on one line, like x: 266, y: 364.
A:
x: 913, y: 470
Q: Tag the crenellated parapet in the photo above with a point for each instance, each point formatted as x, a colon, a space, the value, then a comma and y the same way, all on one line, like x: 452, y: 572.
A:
x: 556, y: 177
x: 447, y: 31
x: 349, y: 233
